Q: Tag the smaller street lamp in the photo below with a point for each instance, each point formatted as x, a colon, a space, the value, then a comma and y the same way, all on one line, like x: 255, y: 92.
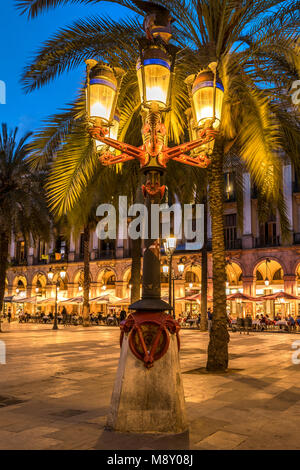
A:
x: 165, y: 268
x: 181, y: 267
x: 170, y: 247
x: 61, y: 276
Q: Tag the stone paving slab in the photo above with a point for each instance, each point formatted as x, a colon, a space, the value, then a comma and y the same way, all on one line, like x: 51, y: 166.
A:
x: 56, y: 386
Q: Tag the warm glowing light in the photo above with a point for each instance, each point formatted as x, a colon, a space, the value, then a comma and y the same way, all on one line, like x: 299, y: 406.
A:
x: 181, y: 268
x: 207, y: 96
x: 80, y: 288
x: 191, y: 285
x: 267, y: 282
x: 165, y: 268
x: 154, y: 73
x: 50, y: 275
x: 63, y: 273
x: 102, y: 92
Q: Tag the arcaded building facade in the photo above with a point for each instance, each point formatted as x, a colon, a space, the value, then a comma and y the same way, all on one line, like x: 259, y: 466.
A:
x: 259, y: 262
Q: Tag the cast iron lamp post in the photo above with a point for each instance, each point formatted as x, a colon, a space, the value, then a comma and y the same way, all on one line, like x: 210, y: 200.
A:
x: 170, y: 247
x: 148, y: 331
x: 61, y: 277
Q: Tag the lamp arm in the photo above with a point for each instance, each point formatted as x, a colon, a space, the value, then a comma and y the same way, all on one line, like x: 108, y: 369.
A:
x: 206, y: 136
x: 109, y: 158
x: 98, y: 133
x: 200, y: 162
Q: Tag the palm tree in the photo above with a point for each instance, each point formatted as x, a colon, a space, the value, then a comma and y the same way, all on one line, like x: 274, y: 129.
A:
x: 254, y: 43
x: 23, y: 208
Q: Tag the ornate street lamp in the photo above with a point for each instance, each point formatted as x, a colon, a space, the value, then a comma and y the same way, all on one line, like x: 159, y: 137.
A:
x: 170, y: 247
x: 181, y: 267
x: 150, y: 332
x: 61, y: 277
x: 165, y: 268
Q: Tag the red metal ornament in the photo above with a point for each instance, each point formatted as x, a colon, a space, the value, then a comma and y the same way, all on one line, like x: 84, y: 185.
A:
x: 154, y: 152
x: 149, y: 335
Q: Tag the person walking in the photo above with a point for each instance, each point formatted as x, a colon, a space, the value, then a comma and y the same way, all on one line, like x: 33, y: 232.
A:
x: 9, y: 315
x: 64, y: 315
x: 209, y: 320
x: 123, y: 315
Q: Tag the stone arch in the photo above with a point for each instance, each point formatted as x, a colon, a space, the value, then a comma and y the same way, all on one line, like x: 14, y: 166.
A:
x: 262, y: 260
x: 296, y: 268
x: 192, y: 273
x: 126, y: 274
x: 103, y: 271
x: 20, y: 283
x: 234, y: 274
x: 78, y: 274
x: 271, y: 273
x: 41, y: 277
x: 39, y: 283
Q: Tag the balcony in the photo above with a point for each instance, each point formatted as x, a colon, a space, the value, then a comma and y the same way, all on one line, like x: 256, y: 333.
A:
x: 296, y: 238
x: 267, y: 243
x: 296, y: 187
x: 106, y: 254
x: 18, y: 262
x: 233, y: 244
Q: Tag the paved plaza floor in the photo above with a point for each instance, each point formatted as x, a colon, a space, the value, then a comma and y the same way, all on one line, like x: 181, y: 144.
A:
x: 55, y: 391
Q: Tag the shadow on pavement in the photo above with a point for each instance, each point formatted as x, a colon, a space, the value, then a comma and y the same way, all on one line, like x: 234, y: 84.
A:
x: 110, y: 440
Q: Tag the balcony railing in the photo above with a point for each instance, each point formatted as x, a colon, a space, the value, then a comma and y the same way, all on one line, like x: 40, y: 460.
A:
x: 296, y: 238
x: 296, y: 187
x: 18, y: 262
x: 106, y: 254
x: 233, y: 244
x: 263, y: 243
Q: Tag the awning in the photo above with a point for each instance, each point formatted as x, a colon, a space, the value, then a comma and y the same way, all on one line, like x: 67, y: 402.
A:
x: 195, y: 298
x: 106, y: 299
x: 278, y: 296
x: 50, y: 300
x: 242, y: 297
x: 73, y: 300
x: 25, y: 300
x: 125, y: 301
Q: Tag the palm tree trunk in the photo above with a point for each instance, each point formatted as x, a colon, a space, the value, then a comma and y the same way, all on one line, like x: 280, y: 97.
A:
x: 4, y: 243
x: 203, y: 324
x: 136, y: 270
x: 86, y: 276
x: 219, y: 337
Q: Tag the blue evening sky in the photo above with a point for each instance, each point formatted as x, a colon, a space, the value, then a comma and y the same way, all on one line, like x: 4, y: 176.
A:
x: 20, y: 38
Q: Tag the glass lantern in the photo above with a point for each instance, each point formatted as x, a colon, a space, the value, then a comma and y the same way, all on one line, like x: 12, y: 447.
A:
x: 165, y: 268
x: 103, y: 87
x: 154, y: 74
x: 207, y: 99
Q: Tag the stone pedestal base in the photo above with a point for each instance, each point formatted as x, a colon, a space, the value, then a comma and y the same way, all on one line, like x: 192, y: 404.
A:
x: 148, y: 401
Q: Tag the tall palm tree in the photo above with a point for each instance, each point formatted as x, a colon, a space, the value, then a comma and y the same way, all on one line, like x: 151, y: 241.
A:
x: 23, y: 208
x: 254, y: 43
